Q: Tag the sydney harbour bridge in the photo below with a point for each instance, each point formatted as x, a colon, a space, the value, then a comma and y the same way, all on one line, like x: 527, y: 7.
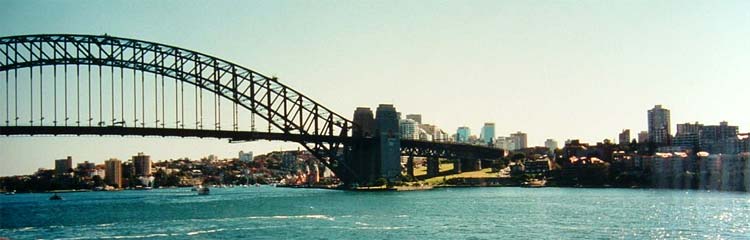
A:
x: 61, y: 84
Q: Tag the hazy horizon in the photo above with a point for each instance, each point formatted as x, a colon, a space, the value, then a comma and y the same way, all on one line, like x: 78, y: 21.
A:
x: 557, y: 69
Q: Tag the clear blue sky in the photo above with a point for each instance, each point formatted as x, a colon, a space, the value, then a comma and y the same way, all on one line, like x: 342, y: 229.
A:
x: 553, y: 69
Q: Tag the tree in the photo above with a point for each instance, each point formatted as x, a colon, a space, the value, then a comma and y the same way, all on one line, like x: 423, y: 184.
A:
x: 381, y: 182
x: 98, y: 181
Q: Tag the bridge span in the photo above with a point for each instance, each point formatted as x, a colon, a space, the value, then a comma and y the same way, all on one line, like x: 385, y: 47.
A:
x: 64, y: 84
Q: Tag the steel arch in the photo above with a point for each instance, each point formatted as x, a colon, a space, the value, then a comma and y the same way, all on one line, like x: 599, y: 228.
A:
x: 283, y: 107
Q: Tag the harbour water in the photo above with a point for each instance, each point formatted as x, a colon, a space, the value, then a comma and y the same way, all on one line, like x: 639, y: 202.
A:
x: 458, y: 213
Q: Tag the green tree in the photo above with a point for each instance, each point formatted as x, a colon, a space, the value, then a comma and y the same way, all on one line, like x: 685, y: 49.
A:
x: 381, y: 182
x: 98, y: 181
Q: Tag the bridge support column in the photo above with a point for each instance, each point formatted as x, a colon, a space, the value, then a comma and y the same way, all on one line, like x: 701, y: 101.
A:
x: 433, y: 166
x: 477, y: 164
x: 410, y: 166
x: 457, y: 165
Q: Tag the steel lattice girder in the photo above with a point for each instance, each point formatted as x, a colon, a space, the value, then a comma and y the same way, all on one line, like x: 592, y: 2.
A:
x: 285, y: 108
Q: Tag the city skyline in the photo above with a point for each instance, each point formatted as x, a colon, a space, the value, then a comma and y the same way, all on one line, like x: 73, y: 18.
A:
x: 516, y: 77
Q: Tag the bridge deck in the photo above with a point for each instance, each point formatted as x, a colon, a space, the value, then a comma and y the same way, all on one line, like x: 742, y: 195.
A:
x: 166, y: 132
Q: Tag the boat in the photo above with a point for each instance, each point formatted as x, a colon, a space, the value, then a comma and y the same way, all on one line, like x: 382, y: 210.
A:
x: 11, y: 192
x: 203, y: 191
x: 534, y: 184
x: 55, y: 197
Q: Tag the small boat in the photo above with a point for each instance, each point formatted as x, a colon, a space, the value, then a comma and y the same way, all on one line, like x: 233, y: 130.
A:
x: 55, y: 197
x: 534, y: 184
x: 11, y: 192
x: 203, y: 191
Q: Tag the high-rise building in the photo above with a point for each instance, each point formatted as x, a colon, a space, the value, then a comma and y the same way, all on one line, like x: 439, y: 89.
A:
x: 519, y: 140
x: 624, y: 137
x: 409, y: 129
x: 142, y: 164
x: 745, y: 148
x: 719, y: 139
x: 246, y: 156
x: 550, y: 144
x: 86, y: 169
x: 390, y: 142
x: 687, y: 135
x: 462, y: 134
x: 659, y: 125
x: 488, y: 133
x: 365, y: 121
x: 113, y: 174
x: 63, y: 166
x: 416, y: 117
x: 505, y: 143
x: 642, y: 137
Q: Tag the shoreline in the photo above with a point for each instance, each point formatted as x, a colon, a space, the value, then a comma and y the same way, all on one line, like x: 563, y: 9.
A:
x: 413, y: 188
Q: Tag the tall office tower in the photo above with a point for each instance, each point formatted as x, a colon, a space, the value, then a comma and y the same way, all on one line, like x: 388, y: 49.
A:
x: 462, y: 134
x: 519, y: 140
x: 488, y: 133
x: 364, y: 118
x: 390, y: 142
x: 658, y: 125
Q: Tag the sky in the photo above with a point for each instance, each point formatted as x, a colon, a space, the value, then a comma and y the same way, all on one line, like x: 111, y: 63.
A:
x: 553, y: 69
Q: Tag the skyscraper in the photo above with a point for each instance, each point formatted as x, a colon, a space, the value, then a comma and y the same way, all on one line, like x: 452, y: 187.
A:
x: 62, y: 166
x: 390, y: 142
x: 113, y: 174
x: 142, y: 164
x: 658, y: 125
x: 488, y: 133
x: 364, y: 118
x: 462, y: 134
x: 519, y: 140
x: 624, y: 137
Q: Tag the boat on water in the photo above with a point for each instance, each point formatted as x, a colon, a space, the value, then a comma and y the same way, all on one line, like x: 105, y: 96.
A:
x: 203, y: 191
x: 534, y: 183
x: 55, y: 197
x: 11, y: 192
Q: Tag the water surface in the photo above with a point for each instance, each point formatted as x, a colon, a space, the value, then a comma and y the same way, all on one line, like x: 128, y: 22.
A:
x: 459, y: 213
